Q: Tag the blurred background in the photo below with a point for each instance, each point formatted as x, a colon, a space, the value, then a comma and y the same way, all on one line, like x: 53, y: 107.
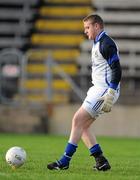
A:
x: 45, y: 64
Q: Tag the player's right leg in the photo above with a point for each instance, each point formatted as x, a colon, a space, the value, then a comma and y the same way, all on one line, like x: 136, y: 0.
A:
x: 79, y: 120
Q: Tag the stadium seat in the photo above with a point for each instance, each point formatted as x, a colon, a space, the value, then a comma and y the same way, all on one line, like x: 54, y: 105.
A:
x: 41, y: 39
x: 41, y: 98
x: 68, y: 1
x: 126, y: 31
x: 37, y: 84
x: 122, y: 17
x: 74, y: 25
x: 70, y: 69
x: 65, y: 55
x: 63, y: 11
x: 119, y: 4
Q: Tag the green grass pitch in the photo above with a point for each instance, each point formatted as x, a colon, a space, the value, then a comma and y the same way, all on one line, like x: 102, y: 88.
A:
x: 123, y: 153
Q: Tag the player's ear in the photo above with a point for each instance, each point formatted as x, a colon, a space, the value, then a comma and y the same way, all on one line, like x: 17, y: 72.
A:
x: 96, y: 25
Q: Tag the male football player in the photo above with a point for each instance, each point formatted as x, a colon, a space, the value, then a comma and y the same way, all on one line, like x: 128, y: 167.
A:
x: 106, y: 76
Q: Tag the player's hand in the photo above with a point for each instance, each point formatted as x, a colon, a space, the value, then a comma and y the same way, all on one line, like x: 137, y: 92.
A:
x: 108, y: 99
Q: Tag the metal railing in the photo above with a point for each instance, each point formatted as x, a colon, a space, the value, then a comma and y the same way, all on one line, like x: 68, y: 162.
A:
x: 23, y: 63
x: 49, y: 63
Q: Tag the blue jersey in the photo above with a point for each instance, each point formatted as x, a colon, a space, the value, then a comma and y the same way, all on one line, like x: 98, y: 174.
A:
x: 106, y: 70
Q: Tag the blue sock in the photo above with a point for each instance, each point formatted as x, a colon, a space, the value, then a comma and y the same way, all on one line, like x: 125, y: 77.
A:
x: 95, y: 150
x: 69, y: 151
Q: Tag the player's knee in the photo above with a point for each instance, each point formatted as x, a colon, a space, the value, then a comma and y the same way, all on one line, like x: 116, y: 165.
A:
x: 78, y: 122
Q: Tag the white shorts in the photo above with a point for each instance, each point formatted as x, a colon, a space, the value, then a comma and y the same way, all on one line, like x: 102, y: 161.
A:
x: 91, y: 103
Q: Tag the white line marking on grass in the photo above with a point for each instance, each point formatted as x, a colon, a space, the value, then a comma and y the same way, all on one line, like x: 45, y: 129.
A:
x: 4, y: 174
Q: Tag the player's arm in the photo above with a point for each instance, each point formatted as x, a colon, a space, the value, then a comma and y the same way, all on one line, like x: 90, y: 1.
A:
x: 109, y: 52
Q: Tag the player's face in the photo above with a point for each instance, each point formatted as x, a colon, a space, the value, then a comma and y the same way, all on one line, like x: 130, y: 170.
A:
x: 90, y: 29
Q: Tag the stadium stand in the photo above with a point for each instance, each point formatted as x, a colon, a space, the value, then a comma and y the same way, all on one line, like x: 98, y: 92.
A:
x: 44, y: 29
x: 53, y: 29
x: 57, y: 35
x: 16, y: 20
x: 122, y: 22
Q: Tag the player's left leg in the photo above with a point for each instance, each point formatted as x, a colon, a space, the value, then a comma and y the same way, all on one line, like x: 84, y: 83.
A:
x: 95, y: 150
x: 93, y: 106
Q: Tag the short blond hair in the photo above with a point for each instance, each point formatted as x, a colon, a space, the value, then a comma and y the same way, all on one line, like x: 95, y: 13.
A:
x: 94, y: 18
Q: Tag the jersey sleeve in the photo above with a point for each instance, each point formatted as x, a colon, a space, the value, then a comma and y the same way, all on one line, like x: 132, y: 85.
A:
x: 109, y: 51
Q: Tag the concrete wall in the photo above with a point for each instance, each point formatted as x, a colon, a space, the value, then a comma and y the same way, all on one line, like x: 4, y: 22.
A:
x: 18, y: 120
x: 122, y: 121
